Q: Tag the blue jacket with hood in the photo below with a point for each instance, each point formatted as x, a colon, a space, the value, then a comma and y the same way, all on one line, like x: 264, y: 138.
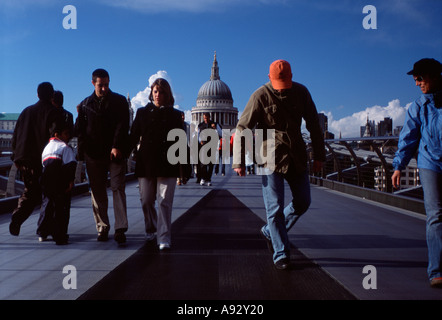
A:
x: 422, y: 132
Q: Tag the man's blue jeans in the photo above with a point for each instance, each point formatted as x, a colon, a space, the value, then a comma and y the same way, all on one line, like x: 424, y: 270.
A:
x: 279, y: 219
x: 432, y: 184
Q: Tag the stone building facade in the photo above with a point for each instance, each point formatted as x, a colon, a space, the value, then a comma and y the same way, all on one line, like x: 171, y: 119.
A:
x: 215, y: 97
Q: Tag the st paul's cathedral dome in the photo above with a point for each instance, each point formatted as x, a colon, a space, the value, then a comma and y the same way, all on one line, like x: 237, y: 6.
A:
x: 214, y: 97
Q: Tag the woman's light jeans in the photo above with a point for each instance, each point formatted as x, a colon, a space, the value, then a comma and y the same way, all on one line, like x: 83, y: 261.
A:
x: 432, y: 184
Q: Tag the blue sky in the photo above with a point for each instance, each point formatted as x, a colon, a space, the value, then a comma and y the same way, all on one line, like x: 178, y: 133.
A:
x: 350, y: 71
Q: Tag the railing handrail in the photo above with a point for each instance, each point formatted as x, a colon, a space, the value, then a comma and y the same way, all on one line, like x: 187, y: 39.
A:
x: 364, y: 139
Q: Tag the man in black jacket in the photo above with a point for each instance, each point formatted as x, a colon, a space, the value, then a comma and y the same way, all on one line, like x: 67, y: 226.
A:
x: 31, y: 134
x: 102, y: 127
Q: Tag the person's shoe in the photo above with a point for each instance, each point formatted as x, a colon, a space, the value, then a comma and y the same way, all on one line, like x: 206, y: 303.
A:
x: 119, y: 236
x: 209, y: 183
x: 202, y: 182
x: 164, y: 246
x: 282, y: 264
x: 42, y: 238
x: 103, y: 236
x: 14, y: 229
x: 150, y: 236
x: 436, y: 282
x: 62, y: 240
x: 268, y: 240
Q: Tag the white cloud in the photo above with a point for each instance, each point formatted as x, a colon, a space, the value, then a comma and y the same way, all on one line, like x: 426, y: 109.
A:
x: 349, y: 127
x: 188, y: 116
x: 142, y: 97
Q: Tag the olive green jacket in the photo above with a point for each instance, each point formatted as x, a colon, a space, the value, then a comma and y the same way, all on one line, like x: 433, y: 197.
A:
x: 282, y: 111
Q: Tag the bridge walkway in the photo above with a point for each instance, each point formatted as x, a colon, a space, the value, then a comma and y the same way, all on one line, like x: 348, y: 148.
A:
x: 218, y: 253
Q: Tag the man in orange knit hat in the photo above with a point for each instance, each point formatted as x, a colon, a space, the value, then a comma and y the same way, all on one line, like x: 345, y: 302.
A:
x: 281, y: 105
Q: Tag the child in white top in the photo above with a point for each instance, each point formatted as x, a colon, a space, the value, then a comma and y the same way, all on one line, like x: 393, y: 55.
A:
x: 57, y: 180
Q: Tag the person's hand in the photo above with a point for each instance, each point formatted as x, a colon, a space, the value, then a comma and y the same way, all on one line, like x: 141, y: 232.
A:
x: 396, y: 178
x: 115, y: 154
x: 240, y: 171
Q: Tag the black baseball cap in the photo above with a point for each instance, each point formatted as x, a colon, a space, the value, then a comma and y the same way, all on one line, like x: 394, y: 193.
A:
x: 426, y: 66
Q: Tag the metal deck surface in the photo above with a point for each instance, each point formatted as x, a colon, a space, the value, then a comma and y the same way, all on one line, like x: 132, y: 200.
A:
x: 218, y: 254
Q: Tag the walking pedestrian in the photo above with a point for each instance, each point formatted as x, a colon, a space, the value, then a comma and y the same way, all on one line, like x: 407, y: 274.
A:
x: 185, y: 169
x: 156, y: 175
x: 281, y: 105
x: 57, y: 181
x: 422, y: 133
x: 31, y: 134
x: 204, y: 160
x: 102, y: 127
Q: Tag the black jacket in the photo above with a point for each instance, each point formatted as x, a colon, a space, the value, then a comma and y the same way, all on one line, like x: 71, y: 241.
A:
x: 102, y: 124
x: 152, y: 124
x: 32, y: 133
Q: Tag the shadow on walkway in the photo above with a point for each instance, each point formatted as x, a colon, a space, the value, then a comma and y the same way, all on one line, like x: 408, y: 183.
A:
x: 217, y: 254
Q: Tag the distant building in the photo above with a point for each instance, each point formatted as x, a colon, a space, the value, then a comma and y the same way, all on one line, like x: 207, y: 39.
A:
x: 382, y: 129
x: 214, y: 97
x: 369, y: 130
x: 131, y: 111
x: 380, y: 179
x: 323, y: 123
x: 8, y: 121
x: 397, y: 130
x: 409, y: 178
x: 7, y: 126
x: 385, y: 128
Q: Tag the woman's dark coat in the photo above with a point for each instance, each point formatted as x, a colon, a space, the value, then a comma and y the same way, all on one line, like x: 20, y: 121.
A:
x: 152, y: 124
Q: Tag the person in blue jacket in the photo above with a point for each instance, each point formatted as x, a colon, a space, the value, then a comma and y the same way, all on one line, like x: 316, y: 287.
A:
x: 422, y: 133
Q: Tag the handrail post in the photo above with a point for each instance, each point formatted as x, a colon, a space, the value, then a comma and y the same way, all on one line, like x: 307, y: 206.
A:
x: 355, y: 159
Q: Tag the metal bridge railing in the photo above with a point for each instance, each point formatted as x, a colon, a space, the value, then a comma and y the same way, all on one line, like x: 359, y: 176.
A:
x: 367, y: 162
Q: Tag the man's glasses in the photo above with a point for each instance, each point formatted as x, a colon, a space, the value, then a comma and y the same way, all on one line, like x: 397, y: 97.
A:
x: 419, y: 79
